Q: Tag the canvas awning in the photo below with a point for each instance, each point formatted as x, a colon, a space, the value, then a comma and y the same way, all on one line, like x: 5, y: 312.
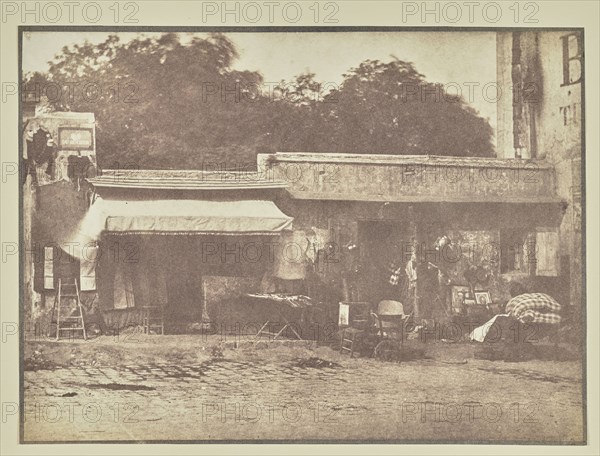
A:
x: 246, y: 217
x: 194, y: 217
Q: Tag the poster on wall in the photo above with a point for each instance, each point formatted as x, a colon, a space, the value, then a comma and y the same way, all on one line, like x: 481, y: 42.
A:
x: 75, y: 138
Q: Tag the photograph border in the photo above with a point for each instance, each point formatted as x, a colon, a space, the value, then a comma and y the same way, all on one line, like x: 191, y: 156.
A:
x: 22, y: 29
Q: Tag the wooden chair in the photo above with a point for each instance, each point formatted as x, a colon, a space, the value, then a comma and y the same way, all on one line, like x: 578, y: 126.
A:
x: 359, y: 323
x: 391, y: 324
x: 153, y: 319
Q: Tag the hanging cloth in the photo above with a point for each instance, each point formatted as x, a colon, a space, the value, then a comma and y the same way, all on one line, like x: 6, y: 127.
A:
x: 290, y: 261
x: 411, y: 272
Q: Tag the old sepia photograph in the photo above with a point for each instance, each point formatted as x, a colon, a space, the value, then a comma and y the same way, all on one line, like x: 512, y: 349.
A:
x: 308, y: 235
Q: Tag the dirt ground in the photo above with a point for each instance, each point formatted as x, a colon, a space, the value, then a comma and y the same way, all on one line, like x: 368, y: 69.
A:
x: 195, y: 388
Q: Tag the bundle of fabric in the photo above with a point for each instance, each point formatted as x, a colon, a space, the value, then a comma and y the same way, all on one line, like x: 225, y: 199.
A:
x: 527, y: 308
x: 534, y: 308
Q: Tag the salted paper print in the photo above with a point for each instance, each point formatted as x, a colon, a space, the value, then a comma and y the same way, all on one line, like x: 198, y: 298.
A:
x: 343, y: 235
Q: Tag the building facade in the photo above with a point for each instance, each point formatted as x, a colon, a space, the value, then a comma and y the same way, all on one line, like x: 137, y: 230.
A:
x: 446, y: 216
x: 366, y: 228
x: 544, y: 120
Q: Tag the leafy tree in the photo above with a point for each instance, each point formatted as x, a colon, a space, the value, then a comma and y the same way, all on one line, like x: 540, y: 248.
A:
x: 163, y: 104
x: 389, y: 108
x: 159, y: 103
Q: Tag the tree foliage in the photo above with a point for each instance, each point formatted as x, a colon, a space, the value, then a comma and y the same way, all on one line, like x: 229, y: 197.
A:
x: 160, y: 103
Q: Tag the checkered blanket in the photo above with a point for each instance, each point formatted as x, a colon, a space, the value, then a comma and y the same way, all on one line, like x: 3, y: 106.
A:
x: 534, y: 308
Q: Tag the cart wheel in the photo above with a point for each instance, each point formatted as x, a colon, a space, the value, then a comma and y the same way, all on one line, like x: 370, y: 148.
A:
x: 388, y: 350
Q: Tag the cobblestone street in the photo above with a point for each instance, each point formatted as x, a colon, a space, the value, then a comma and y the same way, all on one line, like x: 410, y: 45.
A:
x: 300, y: 392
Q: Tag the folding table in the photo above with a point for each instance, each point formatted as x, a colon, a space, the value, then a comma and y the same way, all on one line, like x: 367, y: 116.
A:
x: 279, y: 301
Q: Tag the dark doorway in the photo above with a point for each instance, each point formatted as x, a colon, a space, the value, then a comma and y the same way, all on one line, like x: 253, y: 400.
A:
x: 385, y: 249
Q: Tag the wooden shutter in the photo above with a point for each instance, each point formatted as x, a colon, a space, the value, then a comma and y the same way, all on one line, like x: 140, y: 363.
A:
x: 547, y: 252
x: 529, y: 255
x: 49, y: 268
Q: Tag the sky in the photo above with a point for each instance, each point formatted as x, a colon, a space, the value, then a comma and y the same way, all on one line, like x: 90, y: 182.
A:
x: 456, y: 58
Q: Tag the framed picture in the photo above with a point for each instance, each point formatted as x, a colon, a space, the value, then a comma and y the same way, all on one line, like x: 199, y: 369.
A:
x: 459, y: 295
x: 483, y: 298
x: 344, y: 316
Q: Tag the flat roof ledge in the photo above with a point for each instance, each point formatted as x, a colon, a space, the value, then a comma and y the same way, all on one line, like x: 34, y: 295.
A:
x: 412, y: 178
x: 186, y: 179
x: 399, y: 160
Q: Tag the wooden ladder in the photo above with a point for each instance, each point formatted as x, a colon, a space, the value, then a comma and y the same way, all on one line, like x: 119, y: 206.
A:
x: 72, y: 321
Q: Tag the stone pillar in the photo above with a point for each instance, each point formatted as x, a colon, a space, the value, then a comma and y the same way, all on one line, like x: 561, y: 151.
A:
x: 415, y: 239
